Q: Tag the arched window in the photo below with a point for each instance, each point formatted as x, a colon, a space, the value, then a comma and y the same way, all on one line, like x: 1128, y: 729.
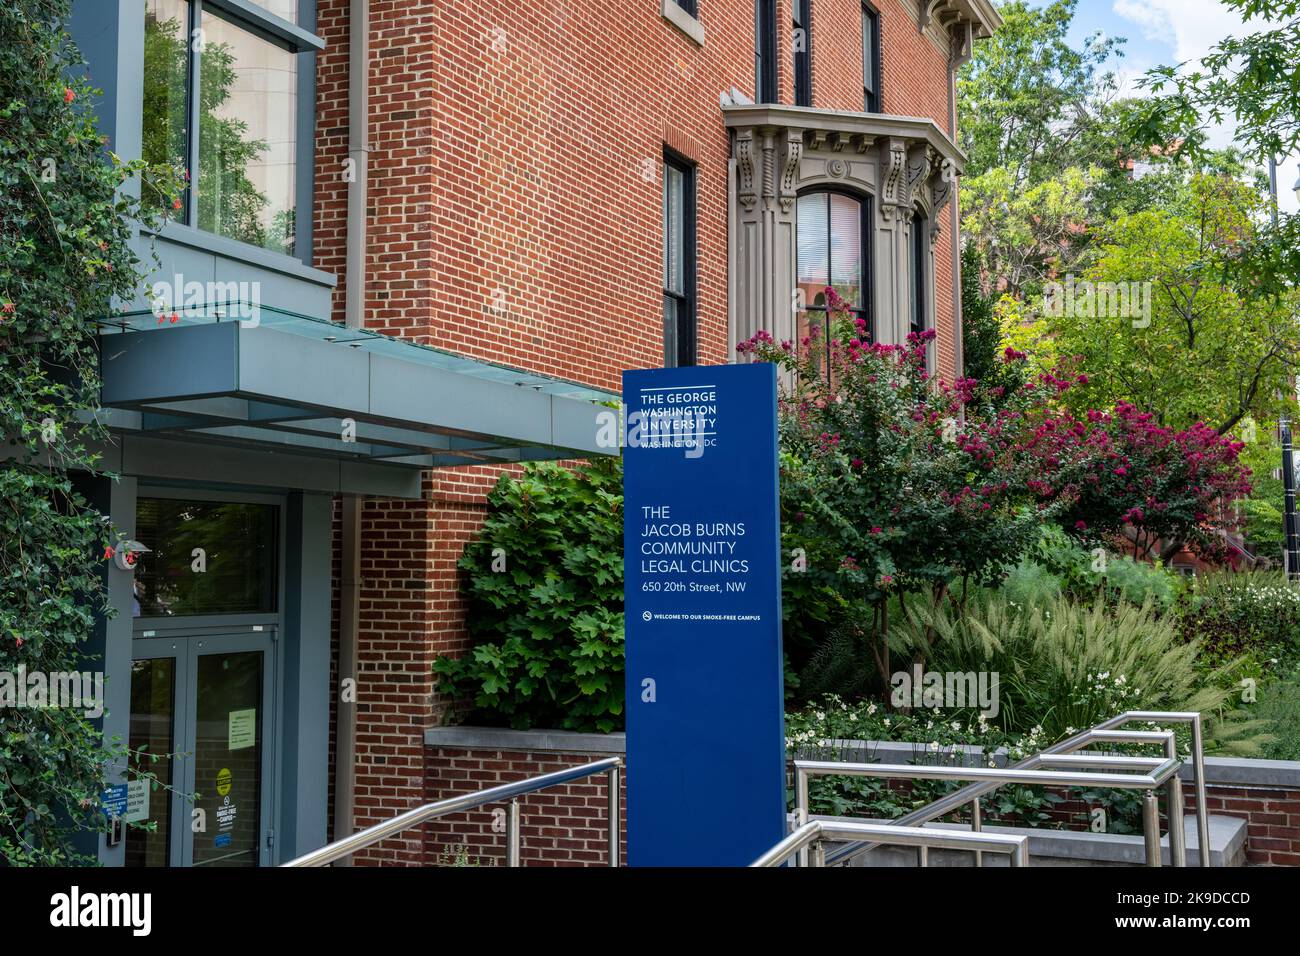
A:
x: 834, y: 250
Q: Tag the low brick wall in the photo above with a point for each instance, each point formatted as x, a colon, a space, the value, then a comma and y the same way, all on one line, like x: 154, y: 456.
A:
x: 565, y: 825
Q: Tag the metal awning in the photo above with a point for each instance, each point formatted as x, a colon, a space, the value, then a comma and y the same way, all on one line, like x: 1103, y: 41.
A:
x: 290, y: 383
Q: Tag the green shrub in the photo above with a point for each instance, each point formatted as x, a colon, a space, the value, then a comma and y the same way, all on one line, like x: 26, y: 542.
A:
x: 1062, y: 665
x: 543, y: 584
x: 1058, y: 564
x: 1279, y: 708
x: 1239, y: 613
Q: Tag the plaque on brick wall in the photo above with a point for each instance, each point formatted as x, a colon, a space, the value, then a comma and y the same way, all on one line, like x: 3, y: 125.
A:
x: 702, y: 601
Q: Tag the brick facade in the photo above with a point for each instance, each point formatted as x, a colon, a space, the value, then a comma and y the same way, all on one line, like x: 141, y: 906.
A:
x: 565, y: 825
x: 514, y: 215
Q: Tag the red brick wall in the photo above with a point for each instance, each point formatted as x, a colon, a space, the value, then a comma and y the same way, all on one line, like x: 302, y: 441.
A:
x: 1273, y: 820
x: 510, y: 219
x: 564, y: 825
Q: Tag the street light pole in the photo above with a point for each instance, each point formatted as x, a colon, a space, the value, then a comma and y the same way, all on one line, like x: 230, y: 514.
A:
x: 1289, y: 521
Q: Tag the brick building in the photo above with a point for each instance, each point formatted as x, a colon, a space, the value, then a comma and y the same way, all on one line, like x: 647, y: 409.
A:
x: 419, y: 241
x: 527, y: 161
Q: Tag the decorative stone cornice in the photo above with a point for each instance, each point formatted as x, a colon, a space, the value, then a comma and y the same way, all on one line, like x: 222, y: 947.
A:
x: 841, y: 131
x: 955, y: 16
x: 780, y: 149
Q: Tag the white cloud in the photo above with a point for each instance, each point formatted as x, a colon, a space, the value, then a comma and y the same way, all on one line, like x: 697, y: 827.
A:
x: 1191, y: 28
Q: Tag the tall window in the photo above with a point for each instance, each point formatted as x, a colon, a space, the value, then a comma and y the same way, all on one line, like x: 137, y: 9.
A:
x: 765, y: 51
x: 870, y: 60
x: 802, y: 41
x: 833, y: 239
x: 919, y: 273
x: 679, y: 262
x: 241, y: 154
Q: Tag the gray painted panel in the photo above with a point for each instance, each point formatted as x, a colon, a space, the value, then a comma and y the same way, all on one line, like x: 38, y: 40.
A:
x: 576, y: 425
x: 173, y: 363
x: 305, y: 691
x: 223, y: 464
x: 292, y: 368
x: 404, y: 391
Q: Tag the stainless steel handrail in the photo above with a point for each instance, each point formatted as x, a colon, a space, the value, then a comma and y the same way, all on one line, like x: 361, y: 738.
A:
x: 1160, y: 772
x: 1107, y: 731
x: 348, y: 845
x: 812, y: 833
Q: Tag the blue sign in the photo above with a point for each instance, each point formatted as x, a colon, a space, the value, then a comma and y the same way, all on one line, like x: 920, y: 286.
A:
x: 702, y: 602
x: 113, y: 800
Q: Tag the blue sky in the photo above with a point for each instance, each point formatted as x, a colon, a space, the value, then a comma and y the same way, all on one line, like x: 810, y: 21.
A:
x: 1170, y: 31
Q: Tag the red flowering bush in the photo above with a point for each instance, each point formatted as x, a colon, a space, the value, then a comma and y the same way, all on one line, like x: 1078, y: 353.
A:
x: 896, y: 483
x: 892, y: 482
x: 1121, y: 475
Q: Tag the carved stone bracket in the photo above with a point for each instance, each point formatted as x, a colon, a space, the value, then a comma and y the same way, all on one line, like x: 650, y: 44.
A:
x: 941, y: 193
x: 790, y: 169
x: 892, y: 182
x: 745, y: 168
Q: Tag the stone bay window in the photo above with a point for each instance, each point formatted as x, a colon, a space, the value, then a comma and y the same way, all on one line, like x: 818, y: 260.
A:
x: 849, y: 201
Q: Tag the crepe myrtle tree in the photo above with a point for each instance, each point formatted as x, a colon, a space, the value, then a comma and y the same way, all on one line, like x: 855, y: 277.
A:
x: 67, y: 211
x: 1124, y: 477
x: 894, y: 485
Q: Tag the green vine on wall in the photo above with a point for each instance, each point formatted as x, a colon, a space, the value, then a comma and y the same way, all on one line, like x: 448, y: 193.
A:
x: 68, y: 215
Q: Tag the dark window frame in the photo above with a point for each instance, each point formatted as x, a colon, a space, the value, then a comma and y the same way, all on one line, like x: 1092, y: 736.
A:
x: 766, y: 81
x: 871, y: 74
x: 919, y: 271
x: 296, y: 38
x: 686, y: 333
x: 866, y: 202
x: 801, y: 11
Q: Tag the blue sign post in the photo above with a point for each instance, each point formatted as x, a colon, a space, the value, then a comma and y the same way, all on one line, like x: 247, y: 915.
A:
x: 702, y: 602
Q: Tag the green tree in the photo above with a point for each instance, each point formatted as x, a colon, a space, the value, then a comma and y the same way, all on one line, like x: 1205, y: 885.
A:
x: 1211, y: 349
x: 66, y: 228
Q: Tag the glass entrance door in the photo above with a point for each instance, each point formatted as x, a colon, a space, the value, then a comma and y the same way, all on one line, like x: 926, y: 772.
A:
x: 202, y: 727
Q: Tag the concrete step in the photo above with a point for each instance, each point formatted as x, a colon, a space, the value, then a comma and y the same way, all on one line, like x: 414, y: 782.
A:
x: 1072, y: 848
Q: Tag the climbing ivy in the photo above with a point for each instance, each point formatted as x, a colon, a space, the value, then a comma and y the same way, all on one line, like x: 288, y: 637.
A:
x: 68, y: 215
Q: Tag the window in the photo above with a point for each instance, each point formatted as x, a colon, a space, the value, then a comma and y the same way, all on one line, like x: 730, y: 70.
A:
x: 802, y: 40
x: 833, y: 238
x: 918, y: 272
x: 242, y: 153
x: 284, y: 9
x: 870, y: 60
x: 688, y: 6
x: 679, y: 262
x: 765, y: 90
x: 240, y: 558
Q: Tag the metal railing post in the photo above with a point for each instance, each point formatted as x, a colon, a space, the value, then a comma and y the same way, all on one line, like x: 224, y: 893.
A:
x: 801, y: 807
x: 1177, y: 831
x: 819, y: 854
x: 1151, y: 827
x: 613, y: 811
x: 976, y: 825
x: 1198, y: 780
x: 512, y: 834
x: 923, y: 856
